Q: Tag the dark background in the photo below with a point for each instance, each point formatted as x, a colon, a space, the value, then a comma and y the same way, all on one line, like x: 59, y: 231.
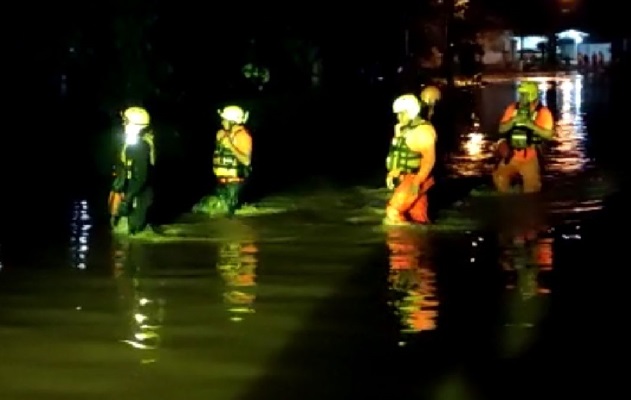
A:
x: 70, y: 70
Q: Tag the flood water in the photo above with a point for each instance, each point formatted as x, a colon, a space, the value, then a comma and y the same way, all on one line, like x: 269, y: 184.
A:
x: 314, y: 300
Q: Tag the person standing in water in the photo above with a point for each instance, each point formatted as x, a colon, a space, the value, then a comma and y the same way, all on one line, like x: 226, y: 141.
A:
x: 232, y: 158
x: 410, y: 163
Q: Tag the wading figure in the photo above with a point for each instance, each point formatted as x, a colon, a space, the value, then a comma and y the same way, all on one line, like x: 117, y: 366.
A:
x: 232, y: 157
x: 409, y: 163
x: 133, y: 187
x: 524, y: 125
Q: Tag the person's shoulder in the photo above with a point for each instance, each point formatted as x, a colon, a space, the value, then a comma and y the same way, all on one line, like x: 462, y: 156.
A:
x: 424, y: 134
x: 243, y: 131
x: 544, y: 110
x: 426, y: 128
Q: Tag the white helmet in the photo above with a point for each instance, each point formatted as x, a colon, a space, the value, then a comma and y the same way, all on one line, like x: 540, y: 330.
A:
x: 407, y: 103
x: 136, y: 116
x: 234, y: 114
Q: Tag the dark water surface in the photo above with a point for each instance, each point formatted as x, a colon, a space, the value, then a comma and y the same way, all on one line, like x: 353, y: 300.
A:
x: 505, y: 299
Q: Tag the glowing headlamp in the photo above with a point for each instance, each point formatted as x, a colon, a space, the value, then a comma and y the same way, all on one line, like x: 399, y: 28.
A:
x: 132, y: 134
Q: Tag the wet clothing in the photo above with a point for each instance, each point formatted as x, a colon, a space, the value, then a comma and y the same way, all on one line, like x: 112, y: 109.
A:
x: 402, y: 158
x: 402, y: 204
x: 138, y: 196
x: 230, y: 172
x: 521, y: 157
x: 229, y: 193
x: 527, y: 168
x: 139, y: 215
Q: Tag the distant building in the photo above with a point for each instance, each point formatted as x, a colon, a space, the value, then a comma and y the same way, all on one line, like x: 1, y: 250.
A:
x: 498, y: 48
x: 503, y: 49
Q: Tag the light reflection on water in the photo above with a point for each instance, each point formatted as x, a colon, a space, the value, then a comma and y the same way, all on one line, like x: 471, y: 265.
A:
x: 412, y: 281
x: 567, y: 153
x: 564, y: 155
x: 144, y: 311
x: 474, y: 155
x: 524, y: 250
x: 80, y: 226
x: 526, y: 255
x: 527, y: 258
x: 237, y: 262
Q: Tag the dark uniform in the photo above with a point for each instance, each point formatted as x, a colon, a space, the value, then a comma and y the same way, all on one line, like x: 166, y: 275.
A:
x: 139, y: 185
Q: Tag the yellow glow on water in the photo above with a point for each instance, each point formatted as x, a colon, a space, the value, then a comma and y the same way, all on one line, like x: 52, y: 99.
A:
x: 474, y: 151
x: 474, y: 145
x: 567, y: 153
x: 237, y: 263
x: 412, y: 281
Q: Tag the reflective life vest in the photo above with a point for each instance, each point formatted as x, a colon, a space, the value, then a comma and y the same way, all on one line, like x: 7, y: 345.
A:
x: 401, y: 157
x: 226, y: 164
x: 521, y: 137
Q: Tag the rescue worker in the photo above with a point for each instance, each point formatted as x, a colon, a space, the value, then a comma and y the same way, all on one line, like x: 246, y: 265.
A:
x: 410, y: 163
x: 524, y: 125
x: 233, y: 156
x: 138, y: 160
x: 430, y: 95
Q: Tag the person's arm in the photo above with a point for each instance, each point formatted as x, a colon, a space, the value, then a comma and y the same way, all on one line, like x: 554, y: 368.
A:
x: 397, y: 131
x: 140, y: 164
x: 220, y: 135
x: 543, y: 126
x: 118, y: 184
x: 508, y: 121
x: 241, y: 147
x: 423, y: 140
